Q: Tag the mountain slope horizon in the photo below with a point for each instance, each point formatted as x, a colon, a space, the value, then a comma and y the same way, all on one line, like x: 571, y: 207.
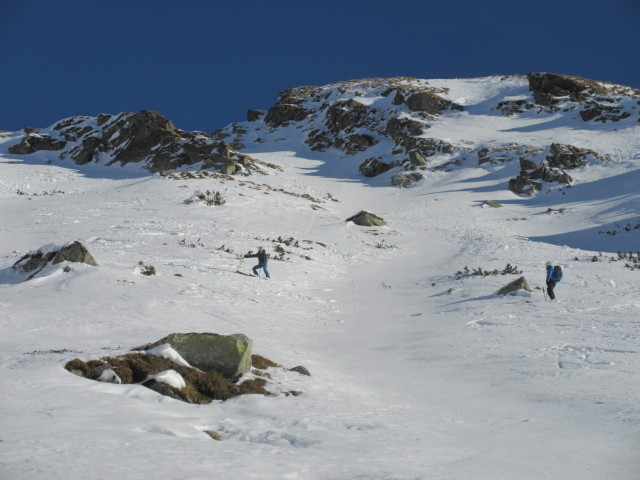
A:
x: 419, y: 369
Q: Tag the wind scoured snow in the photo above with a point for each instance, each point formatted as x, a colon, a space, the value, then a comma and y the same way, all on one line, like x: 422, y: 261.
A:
x: 417, y: 373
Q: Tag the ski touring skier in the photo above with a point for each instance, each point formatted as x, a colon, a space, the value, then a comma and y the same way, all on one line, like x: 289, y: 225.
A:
x: 263, y: 260
x: 554, y: 275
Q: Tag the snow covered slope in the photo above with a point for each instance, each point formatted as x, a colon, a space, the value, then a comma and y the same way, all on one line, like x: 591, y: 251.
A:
x: 418, y: 371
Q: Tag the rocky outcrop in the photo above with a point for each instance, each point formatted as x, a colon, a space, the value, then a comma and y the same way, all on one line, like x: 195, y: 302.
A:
x: 34, y: 262
x: 147, y: 138
x: 568, y: 156
x: 367, y: 219
x: 552, y: 169
x: 165, y: 371
x: 34, y: 142
x: 373, y: 167
x: 288, y: 107
x: 548, y: 87
x: 229, y: 355
x: 166, y: 377
x: 355, y: 116
x: 595, y: 101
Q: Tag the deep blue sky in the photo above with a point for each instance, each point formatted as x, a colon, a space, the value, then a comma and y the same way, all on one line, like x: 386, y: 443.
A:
x: 203, y: 63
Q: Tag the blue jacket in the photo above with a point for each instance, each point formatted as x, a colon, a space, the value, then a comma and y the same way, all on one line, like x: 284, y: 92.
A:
x: 549, y: 273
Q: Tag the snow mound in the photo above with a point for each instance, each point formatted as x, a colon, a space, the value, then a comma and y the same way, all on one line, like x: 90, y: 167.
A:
x: 166, y: 351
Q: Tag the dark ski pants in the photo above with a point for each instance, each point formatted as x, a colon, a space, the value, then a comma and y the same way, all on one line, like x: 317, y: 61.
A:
x: 263, y: 267
x: 551, y: 284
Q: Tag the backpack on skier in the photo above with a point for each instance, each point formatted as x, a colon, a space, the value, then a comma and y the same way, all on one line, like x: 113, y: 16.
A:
x: 557, y: 273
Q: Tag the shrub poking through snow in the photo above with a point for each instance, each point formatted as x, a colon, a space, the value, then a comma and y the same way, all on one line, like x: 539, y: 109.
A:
x: 147, y: 270
x: 209, y: 198
x: 479, y: 272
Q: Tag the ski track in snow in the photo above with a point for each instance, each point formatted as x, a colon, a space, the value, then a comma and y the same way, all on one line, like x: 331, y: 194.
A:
x: 415, y: 373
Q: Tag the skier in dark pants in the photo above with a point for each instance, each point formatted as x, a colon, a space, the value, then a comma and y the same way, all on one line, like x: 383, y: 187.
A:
x: 262, y: 261
x: 551, y: 281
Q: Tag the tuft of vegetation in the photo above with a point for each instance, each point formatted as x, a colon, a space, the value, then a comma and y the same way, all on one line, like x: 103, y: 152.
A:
x: 479, y: 272
x: 46, y: 193
x: 262, y: 363
x: 184, y: 243
x: 279, y: 253
x: 628, y: 227
x: 147, y: 270
x: 384, y: 246
x: 210, y: 198
x: 631, y: 261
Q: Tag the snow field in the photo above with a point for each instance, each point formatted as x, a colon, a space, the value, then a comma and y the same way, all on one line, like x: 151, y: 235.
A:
x: 416, y: 373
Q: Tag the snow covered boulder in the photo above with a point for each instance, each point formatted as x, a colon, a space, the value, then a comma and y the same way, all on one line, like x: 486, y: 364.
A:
x: 229, y: 355
x: 367, y: 219
x: 34, y: 262
x: 519, y: 284
x: 405, y: 179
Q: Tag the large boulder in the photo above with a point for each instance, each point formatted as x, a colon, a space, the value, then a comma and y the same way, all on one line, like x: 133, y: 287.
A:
x: 34, y: 262
x: 373, y: 167
x: 522, y: 185
x: 367, y: 219
x: 513, y: 287
x: 228, y: 355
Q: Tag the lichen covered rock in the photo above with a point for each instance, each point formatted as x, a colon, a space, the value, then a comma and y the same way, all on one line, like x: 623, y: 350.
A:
x: 229, y: 355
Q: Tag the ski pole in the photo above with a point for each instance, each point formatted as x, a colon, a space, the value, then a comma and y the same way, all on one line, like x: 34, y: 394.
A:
x: 241, y: 260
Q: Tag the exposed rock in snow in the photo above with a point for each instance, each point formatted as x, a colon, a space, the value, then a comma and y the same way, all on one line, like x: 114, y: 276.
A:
x: 229, y: 355
x: 367, y: 219
x: 34, y: 262
x: 519, y: 284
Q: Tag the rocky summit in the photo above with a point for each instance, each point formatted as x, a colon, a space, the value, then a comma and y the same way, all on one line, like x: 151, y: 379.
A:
x: 399, y: 127
x: 394, y: 129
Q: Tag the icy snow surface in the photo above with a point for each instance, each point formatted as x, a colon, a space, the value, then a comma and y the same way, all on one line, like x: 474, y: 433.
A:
x: 416, y: 373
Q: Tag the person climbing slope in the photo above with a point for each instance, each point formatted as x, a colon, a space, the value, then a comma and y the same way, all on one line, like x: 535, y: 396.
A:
x: 554, y: 275
x: 263, y: 260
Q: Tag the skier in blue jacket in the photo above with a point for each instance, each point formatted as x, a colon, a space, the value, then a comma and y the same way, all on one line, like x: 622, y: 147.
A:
x: 263, y: 260
x: 553, y: 277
